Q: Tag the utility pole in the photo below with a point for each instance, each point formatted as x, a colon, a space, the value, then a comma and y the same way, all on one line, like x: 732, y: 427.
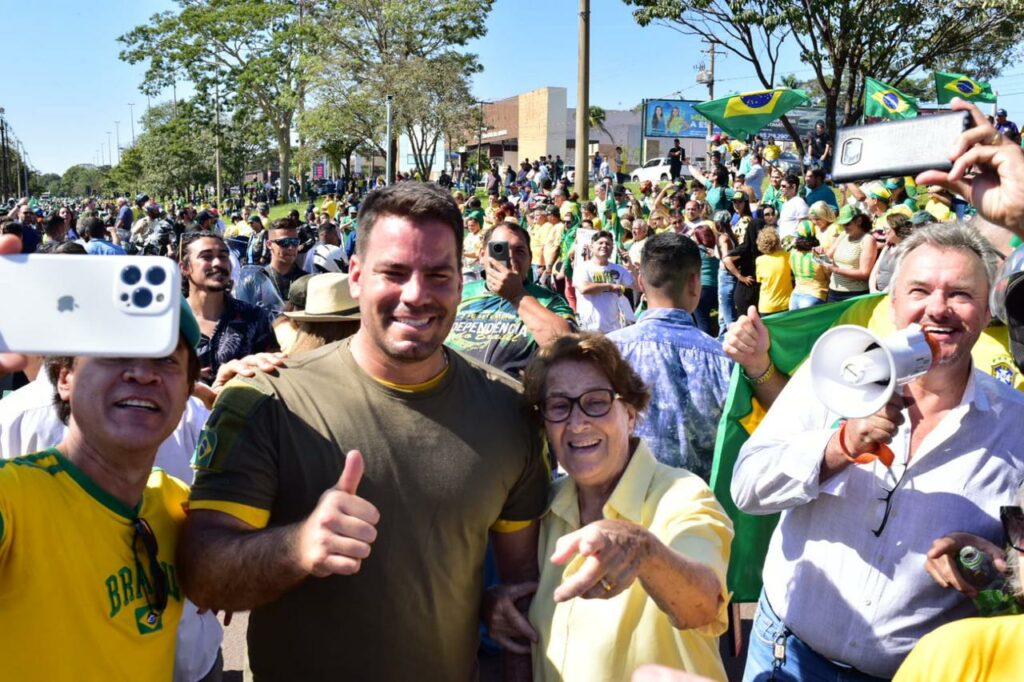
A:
x: 216, y: 137
x: 131, y: 115
x: 5, y: 161
x: 24, y: 167
x: 110, y: 156
x: 117, y: 129
x: 389, y: 172
x: 710, y: 81
x: 583, y: 104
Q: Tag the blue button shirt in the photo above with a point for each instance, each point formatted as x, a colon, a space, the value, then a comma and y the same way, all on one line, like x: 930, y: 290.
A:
x: 688, y: 375
x: 102, y: 247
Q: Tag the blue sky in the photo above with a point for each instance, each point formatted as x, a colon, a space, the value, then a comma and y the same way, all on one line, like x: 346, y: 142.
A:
x: 64, y: 93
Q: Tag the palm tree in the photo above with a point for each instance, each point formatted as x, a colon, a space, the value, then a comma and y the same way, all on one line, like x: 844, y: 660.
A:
x: 596, y: 116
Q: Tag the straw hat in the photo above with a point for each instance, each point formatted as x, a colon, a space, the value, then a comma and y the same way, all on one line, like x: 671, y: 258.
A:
x: 328, y: 299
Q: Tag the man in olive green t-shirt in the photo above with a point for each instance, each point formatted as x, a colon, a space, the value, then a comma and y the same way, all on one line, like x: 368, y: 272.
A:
x: 347, y: 500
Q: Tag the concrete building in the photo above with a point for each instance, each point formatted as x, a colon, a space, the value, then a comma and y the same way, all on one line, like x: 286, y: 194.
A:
x: 539, y: 122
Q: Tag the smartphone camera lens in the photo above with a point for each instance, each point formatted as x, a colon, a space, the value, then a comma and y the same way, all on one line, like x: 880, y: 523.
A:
x: 131, y: 275
x: 141, y: 298
x: 156, y: 276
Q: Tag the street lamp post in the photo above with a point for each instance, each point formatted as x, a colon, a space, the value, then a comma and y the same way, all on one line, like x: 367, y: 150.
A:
x: 110, y: 155
x: 131, y: 115
x: 117, y: 128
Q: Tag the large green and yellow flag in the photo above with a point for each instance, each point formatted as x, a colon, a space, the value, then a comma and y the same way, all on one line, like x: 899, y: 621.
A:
x: 950, y: 85
x: 886, y: 101
x: 793, y: 335
x: 747, y: 113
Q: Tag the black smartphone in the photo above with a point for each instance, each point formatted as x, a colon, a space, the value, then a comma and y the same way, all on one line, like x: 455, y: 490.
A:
x: 498, y: 250
x: 898, y: 148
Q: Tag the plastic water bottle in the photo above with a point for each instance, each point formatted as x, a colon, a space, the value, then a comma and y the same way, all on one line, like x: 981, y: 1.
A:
x: 993, y: 598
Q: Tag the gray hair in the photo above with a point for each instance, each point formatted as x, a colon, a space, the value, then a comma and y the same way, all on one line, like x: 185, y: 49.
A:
x: 949, y: 236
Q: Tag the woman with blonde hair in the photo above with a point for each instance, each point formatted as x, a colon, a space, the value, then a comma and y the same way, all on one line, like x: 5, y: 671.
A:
x: 824, y: 218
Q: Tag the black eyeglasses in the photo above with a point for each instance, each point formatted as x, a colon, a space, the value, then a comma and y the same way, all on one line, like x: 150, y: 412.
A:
x: 156, y: 594
x: 286, y: 242
x: 1013, y: 526
x: 885, y: 504
x: 595, y: 403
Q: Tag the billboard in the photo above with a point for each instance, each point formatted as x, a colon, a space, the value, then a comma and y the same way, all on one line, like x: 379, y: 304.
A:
x: 673, y: 118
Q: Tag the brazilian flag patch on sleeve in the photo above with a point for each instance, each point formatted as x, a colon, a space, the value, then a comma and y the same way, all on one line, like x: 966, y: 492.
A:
x: 205, y: 448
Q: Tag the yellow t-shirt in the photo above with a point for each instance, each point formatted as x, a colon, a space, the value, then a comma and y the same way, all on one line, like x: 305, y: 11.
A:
x: 772, y: 151
x: 605, y: 640
x: 969, y: 650
x: 776, y: 279
x: 553, y: 243
x: 330, y: 208
x: 828, y: 236
x: 990, y: 354
x: 538, y: 237
x: 71, y: 596
x: 239, y: 229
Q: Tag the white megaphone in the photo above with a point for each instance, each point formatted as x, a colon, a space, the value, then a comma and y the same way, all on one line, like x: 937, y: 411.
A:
x: 855, y: 372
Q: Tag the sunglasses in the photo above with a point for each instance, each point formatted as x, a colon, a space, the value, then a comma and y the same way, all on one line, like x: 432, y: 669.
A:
x: 287, y: 242
x: 156, y: 598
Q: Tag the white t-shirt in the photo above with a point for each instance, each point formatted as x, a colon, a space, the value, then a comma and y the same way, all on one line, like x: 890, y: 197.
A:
x: 608, y: 310
x: 793, y: 211
x: 755, y: 178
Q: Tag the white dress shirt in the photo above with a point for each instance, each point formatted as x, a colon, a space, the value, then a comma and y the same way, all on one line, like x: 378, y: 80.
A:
x: 856, y: 598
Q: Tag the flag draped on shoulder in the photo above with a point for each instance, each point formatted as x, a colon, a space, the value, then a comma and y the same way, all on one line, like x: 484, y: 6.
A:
x: 950, y: 85
x: 747, y: 113
x: 886, y: 101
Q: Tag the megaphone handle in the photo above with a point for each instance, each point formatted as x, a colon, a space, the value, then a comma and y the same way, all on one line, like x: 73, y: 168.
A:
x: 881, y: 451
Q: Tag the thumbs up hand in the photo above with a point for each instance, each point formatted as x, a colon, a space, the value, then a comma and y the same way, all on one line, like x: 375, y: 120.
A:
x: 337, y: 536
x: 747, y: 343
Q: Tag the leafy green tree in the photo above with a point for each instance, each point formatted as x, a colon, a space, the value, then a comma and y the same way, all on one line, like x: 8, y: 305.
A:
x: 844, y: 41
x: 252, y: 49
x: 84, y: 179
x: 372, y: 48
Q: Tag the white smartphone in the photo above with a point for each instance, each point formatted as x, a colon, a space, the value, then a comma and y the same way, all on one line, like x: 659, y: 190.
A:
x: 113, y: 306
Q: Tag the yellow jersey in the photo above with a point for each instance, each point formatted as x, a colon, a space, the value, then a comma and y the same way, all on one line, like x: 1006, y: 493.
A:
x: 72, y: 595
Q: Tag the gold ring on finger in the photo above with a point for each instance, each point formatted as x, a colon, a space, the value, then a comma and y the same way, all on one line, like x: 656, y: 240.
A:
x: 606, y: 585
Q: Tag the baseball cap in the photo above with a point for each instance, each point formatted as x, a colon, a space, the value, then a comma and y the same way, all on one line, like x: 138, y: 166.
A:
x: 805, y: 229
x: 739, y: 195
x: 921, y: 218
x: 1001, y: 112
x: 254, y: 218
x: 879, y: 192
x: 846, y: 214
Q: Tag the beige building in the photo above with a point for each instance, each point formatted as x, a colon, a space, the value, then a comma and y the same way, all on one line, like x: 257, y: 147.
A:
x: 539, y: 122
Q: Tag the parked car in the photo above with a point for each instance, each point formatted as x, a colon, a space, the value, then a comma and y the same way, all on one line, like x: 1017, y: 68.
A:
x: 788, y: 163
x: 656, y: 170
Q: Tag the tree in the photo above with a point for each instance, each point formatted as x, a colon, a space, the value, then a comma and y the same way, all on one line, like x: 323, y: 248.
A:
x: 596, y: 117
x: 126, y: 176
x: 252, y: 48
x: 84, y: 179
x: 373, y: 48
x: 844, y: 41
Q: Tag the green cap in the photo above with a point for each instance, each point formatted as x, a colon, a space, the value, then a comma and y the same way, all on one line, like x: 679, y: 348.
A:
x: 188, y: 324
x: 476, y: 214
x: 893, y: 183
x: 846, y: 214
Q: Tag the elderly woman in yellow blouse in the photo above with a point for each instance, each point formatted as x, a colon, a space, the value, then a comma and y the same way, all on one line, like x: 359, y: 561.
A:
x: 632, y: 553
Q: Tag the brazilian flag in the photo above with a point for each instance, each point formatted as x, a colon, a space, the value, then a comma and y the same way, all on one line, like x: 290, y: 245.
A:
x: 793, y: 335
x: 950, y: 85
x: 747, y: 113
x: 886, y: 101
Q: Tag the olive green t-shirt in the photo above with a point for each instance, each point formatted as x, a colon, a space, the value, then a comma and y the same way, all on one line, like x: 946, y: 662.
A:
x: 442, y: 466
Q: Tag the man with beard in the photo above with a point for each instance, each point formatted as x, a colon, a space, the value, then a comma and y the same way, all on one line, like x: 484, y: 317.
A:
x: 347, y: 500
x: 231, y: 329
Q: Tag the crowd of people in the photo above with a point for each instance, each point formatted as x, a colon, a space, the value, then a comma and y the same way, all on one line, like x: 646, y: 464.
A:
x: 406, y: 414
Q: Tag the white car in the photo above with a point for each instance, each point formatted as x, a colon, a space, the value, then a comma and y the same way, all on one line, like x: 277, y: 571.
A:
x: 656, y: 170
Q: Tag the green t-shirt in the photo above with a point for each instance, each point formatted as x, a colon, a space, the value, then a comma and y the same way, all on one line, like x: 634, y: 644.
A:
x: 773, y: 197
x: 443, y: 464
x: 719, y: 198
x: 488, y: 327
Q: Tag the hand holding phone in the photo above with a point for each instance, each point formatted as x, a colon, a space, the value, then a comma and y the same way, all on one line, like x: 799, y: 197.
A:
x: 498, y: 250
